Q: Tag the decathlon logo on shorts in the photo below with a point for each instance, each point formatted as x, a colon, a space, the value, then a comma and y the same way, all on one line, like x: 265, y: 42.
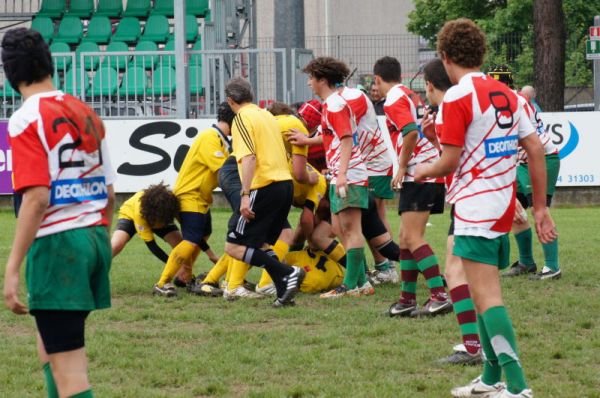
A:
x: 78, y: 190
x: 502, y: 146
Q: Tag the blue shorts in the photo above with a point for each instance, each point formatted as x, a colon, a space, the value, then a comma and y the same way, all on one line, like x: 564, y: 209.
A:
x: 195, y: 226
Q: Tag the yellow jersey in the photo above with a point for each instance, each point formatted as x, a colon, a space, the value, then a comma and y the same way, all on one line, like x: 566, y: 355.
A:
x: 307, y: 192
x: 287, y: 123
x: 197, y: 177
x: 321, y: 273
x: 255, y: 131
x: 131, y: 209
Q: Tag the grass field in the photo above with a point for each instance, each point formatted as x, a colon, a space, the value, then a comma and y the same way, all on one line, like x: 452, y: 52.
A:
x: 195, y: 347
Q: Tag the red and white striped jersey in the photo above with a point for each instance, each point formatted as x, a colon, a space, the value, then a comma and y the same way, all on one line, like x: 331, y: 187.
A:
x: 485, y: 118
x: 401, y: 114
x: 338, y: 121
x: 532, y: 114
x: 58, y: 142
x: 370, y: 137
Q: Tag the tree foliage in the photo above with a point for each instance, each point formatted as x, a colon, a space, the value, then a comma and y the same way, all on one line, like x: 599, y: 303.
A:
x: 509, y: 27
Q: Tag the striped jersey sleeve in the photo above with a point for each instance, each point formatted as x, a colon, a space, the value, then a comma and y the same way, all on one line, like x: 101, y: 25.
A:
x: 243, y: 137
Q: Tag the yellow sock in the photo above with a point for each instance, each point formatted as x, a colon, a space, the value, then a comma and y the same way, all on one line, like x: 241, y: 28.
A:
x: 218, y: 270
x: 265, y: 279
x: 182, y: 255
x: 238, y: 272
x: 337, y: 253
x: 281, y: 249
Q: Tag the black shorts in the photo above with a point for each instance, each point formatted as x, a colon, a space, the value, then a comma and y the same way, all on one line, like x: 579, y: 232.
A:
x: 195, y: 226
x: 229, y: 182
x: 271, y: 205
x: 372, y: 225
x: 127, y: 225
x: 422, y: 197
x: 61, y: 330
x: 527, y: 200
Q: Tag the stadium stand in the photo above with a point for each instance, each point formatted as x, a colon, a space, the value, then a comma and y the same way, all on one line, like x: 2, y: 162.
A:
x: 162, y: 82
x: 105, y: 82
x: 118, y: 62
x: 197, y: 8
x: 134, y: 83
x: 168, y: 60
x: 163, y: 7
x: 73, y: 81
x: 147, y: 62
x: 90, y: 62
x: 61, y: 62
x: 137, y: 8
x: 196, y: 87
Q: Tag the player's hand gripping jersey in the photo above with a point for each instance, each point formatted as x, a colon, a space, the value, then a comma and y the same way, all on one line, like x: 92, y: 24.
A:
x: 370, y: 139
x: 338, y: 122
x: 58, y: 142
x: 534, y: 117
x: 401, y: 115
x: 485, y: 118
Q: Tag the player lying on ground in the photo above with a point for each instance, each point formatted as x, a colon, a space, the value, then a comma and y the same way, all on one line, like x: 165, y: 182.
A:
x: 62, y: 168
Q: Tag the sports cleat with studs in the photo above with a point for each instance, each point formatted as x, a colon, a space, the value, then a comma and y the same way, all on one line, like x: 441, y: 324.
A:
x: 527, y: 393
x: 387, y: 276
x: 367, y: 289
x: 266, y: 290
x: 205, y: 289
x: 432, y: 307
x: 546, y: 273
x: 517, y: 269
x: 477, y: 388
x: 240, y: 292
x: 340, y: 291
x: 293, y: 282
x: 167, y: 290
x: 401, y: 309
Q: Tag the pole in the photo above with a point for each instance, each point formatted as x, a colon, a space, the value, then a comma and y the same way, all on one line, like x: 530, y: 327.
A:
x: 597, y: 74
x: 289, y: 33
x: 182, y: 91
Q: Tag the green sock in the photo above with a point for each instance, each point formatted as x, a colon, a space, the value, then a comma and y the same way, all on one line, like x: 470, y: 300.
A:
x: 525, y: 244
x: 551, y: 255
x: 362, y: 276
x: 492, y: 372
x: 354, y: 266
x: 502, y: 337
x: 410, y: 273
x: 50, y: 383
x: 428, y: 265
x: 83, y: 394
x: 383, y: 266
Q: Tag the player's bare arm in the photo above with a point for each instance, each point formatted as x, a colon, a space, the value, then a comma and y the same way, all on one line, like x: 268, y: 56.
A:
x: 447, y: 164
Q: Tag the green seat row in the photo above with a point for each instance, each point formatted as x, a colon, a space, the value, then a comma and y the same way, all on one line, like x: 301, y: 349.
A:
x: 114, y: 8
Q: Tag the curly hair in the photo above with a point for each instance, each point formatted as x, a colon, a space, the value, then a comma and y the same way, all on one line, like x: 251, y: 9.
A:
x: 224, y: 113
x: 463, y: 42
x: 26, y: 57
x: 159, y: 205
x: 328, y: 68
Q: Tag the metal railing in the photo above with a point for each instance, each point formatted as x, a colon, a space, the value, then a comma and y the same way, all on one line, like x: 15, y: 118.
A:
x: 142, y: 83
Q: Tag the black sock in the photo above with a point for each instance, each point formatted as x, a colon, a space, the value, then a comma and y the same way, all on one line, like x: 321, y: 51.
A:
x: 268, y: 260
x: 390, y: 250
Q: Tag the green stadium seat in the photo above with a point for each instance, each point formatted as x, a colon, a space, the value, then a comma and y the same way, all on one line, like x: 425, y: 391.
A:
x: 196, y: 87
x: 128, y: 30
x: 162, y: 81
x: 81, y: 8
x: 168, y: 60
x: 137, y: 8
x: 197, y: 8
x: 196, y: 59
x: 99, y: 30
x: 156, y: 29
x: 61, y: 62
x: 45, y: 26
x: 191, y: 28
x: 109, y: 8
x: 90, y: 62
x: 208, y: 16
x: 52, y: 8
x: 8, y: 91
x: 70, y: 30
x: 164, y: 7
x: 145, y: 61
x: 135, y: 82
x: 119, y: 62
x: 73, y: 81
x: 105, y: 82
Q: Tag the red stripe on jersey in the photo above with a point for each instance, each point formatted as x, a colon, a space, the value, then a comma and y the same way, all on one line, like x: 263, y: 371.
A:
x: 504, y: 223
x: 30, y: 159
x: 66, y: 219
x: 483, y: 192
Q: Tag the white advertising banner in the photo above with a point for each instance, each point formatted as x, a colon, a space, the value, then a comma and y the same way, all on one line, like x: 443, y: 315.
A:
x: 145, y: 152
x: 577, y: 136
